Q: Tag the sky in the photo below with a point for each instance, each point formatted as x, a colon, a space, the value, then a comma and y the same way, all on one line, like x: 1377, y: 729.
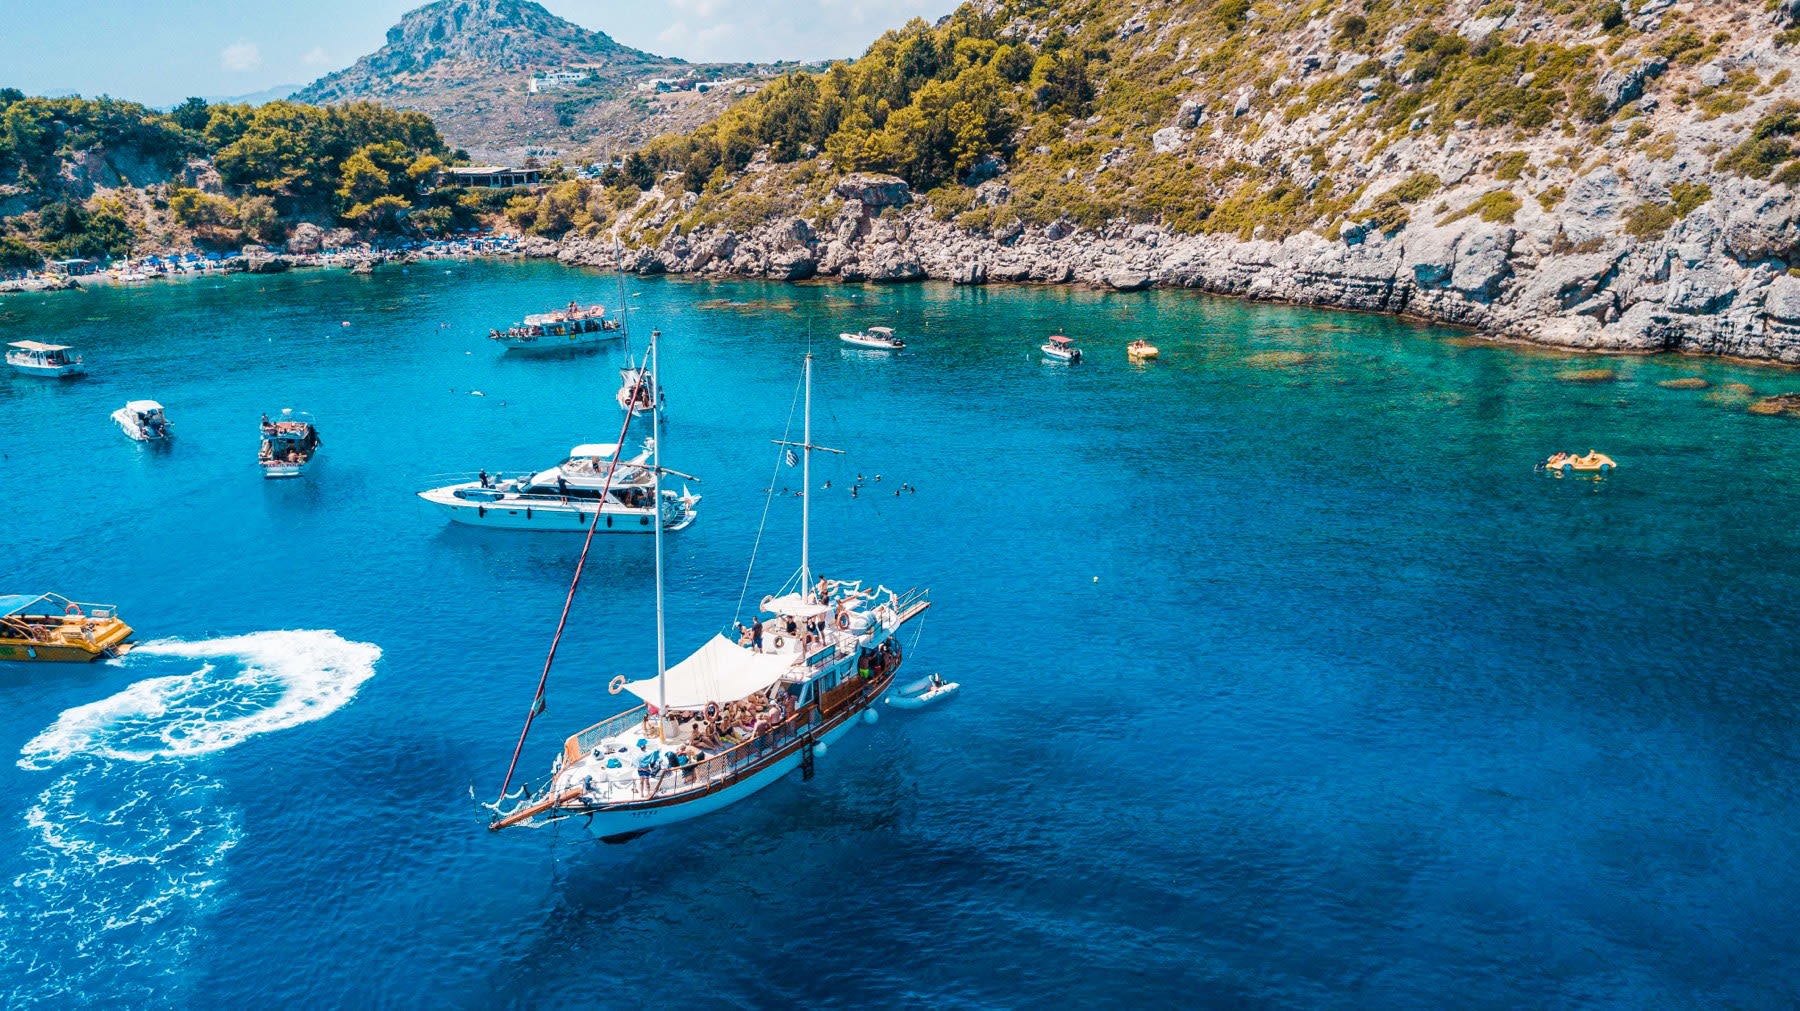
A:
x: 162, y: 52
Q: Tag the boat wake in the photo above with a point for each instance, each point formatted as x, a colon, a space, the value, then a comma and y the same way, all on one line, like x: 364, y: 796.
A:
x: 245, y: 685
x: 123, y: 855
x: 119, y: 872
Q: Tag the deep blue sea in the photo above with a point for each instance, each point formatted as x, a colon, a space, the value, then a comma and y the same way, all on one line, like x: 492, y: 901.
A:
x: 1286, y: 681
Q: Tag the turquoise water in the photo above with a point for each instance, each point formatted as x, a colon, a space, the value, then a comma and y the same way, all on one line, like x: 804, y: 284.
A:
x: 1286, y: 680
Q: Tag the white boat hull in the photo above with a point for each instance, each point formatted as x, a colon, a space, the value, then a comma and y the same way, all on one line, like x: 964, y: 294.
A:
x: 548, y: 517
x: 280, y: 470
x: 630, y: 822
x: 128, y: 423
x: 1057, y: 354
x: 49, y: 371
x: 870, y: 343
x: 564, y: 343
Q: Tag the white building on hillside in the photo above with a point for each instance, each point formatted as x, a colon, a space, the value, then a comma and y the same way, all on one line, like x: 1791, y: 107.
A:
x: 555, y: 80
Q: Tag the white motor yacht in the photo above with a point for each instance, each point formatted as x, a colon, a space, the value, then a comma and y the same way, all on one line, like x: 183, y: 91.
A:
x: 565, y: 497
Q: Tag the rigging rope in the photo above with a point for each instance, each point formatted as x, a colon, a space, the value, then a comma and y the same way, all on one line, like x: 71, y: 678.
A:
x: 780, y: 455
x: 569, y: 601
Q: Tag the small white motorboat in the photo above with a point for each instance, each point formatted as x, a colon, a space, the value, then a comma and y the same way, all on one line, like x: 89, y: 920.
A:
x: 144, y: 421
x: 38, y: 359
x: 922, y: 692
x: 1062, y: 349
x: 875, y: 338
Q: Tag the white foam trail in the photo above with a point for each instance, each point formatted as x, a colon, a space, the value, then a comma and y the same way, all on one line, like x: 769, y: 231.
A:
x: 119, y: 875
x: 245, y: 685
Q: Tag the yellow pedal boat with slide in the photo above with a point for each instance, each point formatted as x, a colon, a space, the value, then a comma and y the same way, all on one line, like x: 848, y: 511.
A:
x: 1141, y: 350
x: 1568, y: 463
x: 48, y: 627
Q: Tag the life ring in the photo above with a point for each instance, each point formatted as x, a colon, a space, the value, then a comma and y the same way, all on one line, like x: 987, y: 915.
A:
x: 617, y: 685
x: 780, y: 642
x: 73, y: 608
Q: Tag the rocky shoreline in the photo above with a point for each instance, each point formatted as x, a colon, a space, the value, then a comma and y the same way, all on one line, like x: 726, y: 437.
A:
x: 1715, y: 284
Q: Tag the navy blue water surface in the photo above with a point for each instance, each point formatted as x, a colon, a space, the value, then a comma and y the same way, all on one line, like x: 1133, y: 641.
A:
x: 1286, y: 681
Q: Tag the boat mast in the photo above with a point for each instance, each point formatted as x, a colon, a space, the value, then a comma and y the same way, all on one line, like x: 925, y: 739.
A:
x: 806, y: 485
x: 662, y: 687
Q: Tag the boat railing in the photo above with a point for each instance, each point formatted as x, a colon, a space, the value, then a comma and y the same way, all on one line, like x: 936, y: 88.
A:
x: 584, y: 741
x: 737, y: 760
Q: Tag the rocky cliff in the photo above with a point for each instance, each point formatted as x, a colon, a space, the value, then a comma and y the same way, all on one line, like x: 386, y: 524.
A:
x: 1647, y: 204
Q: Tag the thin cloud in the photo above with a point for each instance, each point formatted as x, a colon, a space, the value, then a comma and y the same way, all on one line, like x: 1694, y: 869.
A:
x: 240, y: 56
x: 316, y: 57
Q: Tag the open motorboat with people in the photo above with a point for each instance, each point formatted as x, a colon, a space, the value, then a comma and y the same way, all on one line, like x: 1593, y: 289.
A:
x: 289, y: 444
x: 574, y: 326
x: 1062, y: 349
x: 735, y: 716
x: 922, y: 692
x: 35, y: 358
x: 565, y: 497
x: 144, y: 421
x: 1141, y: 350
x: 49, y: 627
x: 875, y: 338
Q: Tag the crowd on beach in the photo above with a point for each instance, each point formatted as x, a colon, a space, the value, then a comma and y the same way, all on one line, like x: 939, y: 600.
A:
x: 361, y: 257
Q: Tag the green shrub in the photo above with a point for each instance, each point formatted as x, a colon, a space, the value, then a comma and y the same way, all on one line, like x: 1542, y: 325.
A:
x: 1649, y: 221
x: 1494, y: 205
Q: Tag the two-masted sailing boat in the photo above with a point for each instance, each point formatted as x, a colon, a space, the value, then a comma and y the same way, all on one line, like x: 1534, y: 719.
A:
x: 735, y: 716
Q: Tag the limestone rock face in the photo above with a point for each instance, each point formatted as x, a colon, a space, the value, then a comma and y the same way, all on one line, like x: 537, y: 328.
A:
x: 874, y: 189
x: 305, y: 238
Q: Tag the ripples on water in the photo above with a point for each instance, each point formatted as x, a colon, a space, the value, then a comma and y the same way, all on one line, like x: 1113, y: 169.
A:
x: 1286, y: 681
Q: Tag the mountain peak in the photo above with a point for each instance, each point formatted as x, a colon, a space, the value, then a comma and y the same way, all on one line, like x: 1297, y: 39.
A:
x: 471, y: 37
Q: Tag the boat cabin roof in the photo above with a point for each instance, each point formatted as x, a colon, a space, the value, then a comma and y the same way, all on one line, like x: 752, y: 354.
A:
x: 885, y: 331
x: 1059, y: 339
x: 142, y: 406
x: 23, y: 603
x: 39, y: 346
x: 600, y: 450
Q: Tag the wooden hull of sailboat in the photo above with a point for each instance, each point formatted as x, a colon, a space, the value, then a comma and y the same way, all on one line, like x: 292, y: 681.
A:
x: 624, y: 822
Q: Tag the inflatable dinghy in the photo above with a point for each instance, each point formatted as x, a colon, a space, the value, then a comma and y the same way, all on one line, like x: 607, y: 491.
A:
x: 921, y: 693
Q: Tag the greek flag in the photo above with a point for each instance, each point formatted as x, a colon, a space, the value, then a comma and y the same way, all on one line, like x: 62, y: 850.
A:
x: 791, y: 458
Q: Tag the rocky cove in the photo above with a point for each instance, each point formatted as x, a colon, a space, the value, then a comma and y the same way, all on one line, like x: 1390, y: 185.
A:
x: 1716, y: 283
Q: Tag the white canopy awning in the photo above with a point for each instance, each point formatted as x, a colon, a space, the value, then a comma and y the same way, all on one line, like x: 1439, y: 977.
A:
x: 797, y: 604
x: 721, y: 671
x: 603, y: 450
x: 142, y: 406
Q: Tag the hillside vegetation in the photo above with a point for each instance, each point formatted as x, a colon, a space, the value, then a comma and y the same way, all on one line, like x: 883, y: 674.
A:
x: 1248, y: 118
x: 99, y: 177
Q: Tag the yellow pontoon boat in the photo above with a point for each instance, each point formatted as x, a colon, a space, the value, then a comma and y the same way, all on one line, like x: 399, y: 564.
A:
x: 1141, y: 350
x: 1568, y: 463
x: 50, y: 627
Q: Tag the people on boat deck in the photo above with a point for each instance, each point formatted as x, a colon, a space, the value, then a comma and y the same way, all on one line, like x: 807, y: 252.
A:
x: 756, y: 631
x: 486, y: 482
x: 937, y: 680
x: 562, y: 487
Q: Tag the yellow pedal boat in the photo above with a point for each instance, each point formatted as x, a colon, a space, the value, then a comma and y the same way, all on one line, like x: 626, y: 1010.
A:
x: 1141, y: 350
x: 1568, y: 463
x: 49, y: 627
